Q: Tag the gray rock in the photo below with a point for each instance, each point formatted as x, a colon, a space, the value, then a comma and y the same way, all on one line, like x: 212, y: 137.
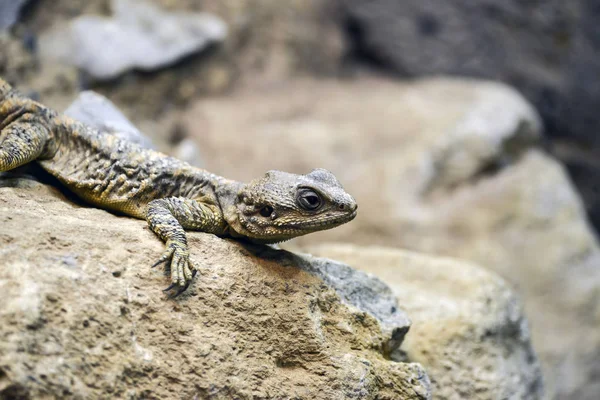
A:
x: 539, y: 48
x: 549, y: 50
x: 469, y: 330
x: 9, y: 12
x: 138, y: 35
x: 188, y: 151
x: 357, y: 288
x: 365, y: 292
x: 96, y: 110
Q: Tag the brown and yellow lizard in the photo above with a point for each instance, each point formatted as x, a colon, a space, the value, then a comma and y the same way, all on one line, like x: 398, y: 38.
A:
x: 170, y: 194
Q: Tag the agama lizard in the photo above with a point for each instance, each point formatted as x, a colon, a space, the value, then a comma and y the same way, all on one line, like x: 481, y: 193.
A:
x: 169, y: 194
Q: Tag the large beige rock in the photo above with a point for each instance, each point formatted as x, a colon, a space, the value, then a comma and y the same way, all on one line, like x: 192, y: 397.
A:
x: 83, y: 315
x: 441, y: 166
x: 468, y: 328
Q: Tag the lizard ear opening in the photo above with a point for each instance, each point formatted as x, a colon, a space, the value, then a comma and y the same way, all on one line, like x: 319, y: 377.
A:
x: 266, y: 211
x: 244, y: 198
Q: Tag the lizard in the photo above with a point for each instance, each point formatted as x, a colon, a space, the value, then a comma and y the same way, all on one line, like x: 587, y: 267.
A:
x: 171, y: 195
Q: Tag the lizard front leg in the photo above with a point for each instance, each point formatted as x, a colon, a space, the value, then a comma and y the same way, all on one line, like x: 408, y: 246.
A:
x: 23, y: 138
x: 167, y: 218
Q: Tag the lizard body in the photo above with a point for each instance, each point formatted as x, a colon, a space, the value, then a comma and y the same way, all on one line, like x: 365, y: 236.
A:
x: 169, y: 194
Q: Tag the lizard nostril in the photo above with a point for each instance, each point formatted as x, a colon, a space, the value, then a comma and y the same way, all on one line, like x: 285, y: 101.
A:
x: 342, y: 207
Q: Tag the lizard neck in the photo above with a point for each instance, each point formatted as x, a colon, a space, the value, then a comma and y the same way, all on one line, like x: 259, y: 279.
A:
x: 227, y: 192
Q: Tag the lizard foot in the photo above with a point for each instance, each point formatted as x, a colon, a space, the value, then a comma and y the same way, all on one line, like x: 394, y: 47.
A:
x: 181, y: 267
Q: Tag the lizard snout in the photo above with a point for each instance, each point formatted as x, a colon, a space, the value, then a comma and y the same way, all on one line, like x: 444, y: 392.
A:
x: 349, y: 205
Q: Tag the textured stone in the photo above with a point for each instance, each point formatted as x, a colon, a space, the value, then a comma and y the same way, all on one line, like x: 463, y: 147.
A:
x: 469, y: 331
x: 83, y: 315
x: 442, y: 166
x: 365, y: 292
x: 139, y: 35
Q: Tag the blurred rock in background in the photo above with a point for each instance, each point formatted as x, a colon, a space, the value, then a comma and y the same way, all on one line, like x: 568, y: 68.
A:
x: 138, y: 36
x: 266, y: 41
x: 9, y: 12
x: 97, y: 111
x: 450, y: 167
x: 549, y: 50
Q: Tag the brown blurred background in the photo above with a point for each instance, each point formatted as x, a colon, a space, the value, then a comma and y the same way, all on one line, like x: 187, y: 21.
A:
x: 449, y: 166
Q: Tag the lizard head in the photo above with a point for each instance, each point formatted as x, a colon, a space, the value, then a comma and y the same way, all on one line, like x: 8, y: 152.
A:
x: 281, y: 206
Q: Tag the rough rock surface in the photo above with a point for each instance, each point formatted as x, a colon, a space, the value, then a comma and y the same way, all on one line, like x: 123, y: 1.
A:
x: 138, y: 35
x: 83, y: 316
x: 548, y: 49
x: 440, y: 166
x: 468, y: 329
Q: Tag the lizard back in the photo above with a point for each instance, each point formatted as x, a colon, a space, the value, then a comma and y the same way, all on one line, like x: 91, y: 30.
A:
x: 122, y: 176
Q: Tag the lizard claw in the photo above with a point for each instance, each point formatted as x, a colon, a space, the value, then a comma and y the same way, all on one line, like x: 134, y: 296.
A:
x: 168, y: 253
x: 180, y: 290
x: 171, y: 286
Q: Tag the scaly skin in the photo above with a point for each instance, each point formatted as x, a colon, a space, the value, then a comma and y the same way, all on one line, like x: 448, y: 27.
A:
x: 170, y: 194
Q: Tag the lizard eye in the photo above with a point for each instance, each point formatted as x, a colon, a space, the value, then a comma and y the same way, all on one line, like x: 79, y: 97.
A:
x: 309, y: 200
x: 266, y: 211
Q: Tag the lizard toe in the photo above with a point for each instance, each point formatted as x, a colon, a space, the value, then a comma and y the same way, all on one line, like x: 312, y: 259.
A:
x: 180, y: 271
x: 175, y: 269
x: 187, y: 270
x: 165, y: 256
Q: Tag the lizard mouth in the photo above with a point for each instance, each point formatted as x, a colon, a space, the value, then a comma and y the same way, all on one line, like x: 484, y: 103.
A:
x: 323, y: 223
x: 286, y: 231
